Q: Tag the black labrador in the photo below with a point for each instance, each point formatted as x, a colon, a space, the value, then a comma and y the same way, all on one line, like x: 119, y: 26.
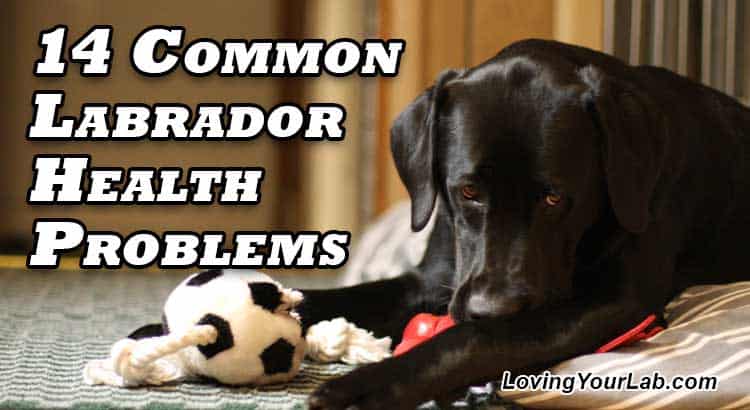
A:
x: 574, y: 195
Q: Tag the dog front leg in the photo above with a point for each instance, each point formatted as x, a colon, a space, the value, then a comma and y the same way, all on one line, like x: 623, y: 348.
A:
x: 478, y: 352
x: 382, y: 306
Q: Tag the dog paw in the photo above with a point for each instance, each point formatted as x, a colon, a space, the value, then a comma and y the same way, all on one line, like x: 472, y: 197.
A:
x: 374, y: 386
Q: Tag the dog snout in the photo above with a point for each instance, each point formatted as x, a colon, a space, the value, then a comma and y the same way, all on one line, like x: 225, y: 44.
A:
x: 484, y: 306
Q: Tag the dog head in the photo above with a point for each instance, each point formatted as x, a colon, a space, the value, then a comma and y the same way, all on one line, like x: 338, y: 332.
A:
x: 531, y: 159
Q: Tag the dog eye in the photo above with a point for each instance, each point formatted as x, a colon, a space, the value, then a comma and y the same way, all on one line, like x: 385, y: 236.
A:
x: 552, y: 199
x: 470, y: 192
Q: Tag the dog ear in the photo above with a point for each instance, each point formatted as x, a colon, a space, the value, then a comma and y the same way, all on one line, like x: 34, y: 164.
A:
x: 634, y: 140
x: 413, y: 148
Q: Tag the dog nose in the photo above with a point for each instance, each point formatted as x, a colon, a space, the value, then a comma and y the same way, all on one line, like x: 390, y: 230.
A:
x: 480, y: 307
x: 477, y: 308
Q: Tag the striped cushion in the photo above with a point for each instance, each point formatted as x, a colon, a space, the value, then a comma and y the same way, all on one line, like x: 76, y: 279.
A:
x: 708, y: 333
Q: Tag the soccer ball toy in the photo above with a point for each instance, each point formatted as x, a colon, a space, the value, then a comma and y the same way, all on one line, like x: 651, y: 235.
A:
x: 236, y: 328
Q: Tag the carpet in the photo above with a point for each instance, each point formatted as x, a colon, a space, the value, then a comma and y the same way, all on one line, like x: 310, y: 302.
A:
x: 52, y: 323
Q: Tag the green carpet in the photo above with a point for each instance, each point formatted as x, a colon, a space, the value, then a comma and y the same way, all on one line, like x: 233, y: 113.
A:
x: 52, y: 323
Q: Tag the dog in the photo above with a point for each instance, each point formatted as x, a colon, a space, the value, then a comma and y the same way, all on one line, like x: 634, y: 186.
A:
x: 573, y: 195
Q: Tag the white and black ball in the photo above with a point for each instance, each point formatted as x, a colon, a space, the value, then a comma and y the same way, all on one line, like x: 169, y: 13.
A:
x: 259, y: 339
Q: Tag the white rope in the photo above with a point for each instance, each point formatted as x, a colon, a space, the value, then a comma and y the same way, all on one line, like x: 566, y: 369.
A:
x: 336, y: 339
x: 142, y: 362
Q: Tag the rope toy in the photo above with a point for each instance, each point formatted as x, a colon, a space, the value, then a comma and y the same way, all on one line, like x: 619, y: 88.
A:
x: 339, y: 340
x: 235, y: 327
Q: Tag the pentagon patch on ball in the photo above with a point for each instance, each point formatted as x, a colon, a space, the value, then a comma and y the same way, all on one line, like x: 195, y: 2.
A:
x: 150, y: 330
x: 277, y: 358
x: 204, y: 277
x: 224, y: 341
x: 265, y: 295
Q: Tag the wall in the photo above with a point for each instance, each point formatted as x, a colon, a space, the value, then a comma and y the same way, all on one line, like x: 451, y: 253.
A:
x: 307, y: 185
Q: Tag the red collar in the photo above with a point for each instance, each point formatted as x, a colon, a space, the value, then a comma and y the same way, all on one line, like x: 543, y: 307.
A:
x: 424, y: 326
x: 643, y: 330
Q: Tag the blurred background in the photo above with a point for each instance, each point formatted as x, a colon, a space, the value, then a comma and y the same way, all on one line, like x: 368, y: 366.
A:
x: 329, y: 185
